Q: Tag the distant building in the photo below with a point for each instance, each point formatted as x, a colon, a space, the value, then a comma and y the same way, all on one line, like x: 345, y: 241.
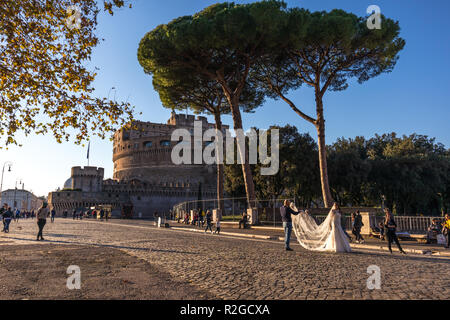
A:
x: 21, y: 199
x: 144, y: 174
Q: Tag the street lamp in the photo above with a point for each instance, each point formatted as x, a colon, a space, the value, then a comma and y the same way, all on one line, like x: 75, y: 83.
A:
x: 112, y: 88
x: 9, y: 164
x: 441, y: 203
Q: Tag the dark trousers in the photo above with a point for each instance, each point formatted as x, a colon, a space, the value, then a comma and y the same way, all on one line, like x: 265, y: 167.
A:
x: 41, y: 224
x: 357, y: 232
x: 217, y: 230
x: 392, y: 237
x: 53, y: 218
x: 448, y: 239
x: 6, y: 223
x: 243, y: 223
x: 208, y: 226
x: 287, y: 233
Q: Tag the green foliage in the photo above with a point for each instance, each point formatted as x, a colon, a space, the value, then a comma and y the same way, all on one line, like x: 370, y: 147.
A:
x: 412, y: 172
x: 324, y: 50
x: 298, y: 175
x: 219, y: 44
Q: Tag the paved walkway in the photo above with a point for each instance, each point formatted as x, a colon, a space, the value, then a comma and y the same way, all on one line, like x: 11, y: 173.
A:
x: 234, y: 267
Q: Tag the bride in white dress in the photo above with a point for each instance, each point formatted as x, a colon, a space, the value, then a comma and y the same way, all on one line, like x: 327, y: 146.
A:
x: 328, y: 236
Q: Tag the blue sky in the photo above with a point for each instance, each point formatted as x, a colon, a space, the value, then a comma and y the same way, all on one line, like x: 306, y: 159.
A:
x: 413, y: 98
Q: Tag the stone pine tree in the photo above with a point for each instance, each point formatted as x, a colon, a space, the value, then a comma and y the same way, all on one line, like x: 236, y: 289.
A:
x: 221, y: 43
x: 44, y: 85
x: 181, y: 90
x: 324, y: 50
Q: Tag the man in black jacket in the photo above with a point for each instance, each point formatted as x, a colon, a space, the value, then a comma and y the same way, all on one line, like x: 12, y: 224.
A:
x: 286, y: 212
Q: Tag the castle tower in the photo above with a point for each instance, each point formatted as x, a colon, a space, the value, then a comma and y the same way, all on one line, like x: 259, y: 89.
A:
x: 88, y: 179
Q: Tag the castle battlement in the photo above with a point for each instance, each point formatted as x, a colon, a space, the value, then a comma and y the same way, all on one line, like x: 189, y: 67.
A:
x: 87, y: 171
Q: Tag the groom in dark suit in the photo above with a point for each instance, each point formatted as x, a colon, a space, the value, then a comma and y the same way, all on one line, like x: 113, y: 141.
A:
x: 286, y: 212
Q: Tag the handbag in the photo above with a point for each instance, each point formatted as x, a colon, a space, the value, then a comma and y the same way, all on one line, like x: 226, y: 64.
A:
x: 440, y: 239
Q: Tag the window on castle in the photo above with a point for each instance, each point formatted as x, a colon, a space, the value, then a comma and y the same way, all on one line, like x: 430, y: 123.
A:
x: 148, y: 144
x: 165, y: 143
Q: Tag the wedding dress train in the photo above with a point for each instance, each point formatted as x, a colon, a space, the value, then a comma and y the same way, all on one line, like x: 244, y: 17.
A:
x: 328, y: 236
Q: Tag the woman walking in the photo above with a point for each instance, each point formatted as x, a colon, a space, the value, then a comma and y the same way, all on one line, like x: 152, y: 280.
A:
x: 42, y: 219
x: 7, y: 216
x: 208, y: 221
x: 390, y: 227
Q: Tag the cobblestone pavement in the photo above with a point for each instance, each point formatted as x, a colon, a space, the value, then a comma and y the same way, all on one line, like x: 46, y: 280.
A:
x: 234, y: 268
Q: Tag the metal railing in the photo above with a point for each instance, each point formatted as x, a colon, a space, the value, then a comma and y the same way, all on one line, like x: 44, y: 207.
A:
x: 268, y: 213
x: 233, y: 208
x: 412, y: 224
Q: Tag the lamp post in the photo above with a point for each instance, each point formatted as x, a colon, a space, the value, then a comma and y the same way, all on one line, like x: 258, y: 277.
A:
x: 3, y: 171
x: 383, y: 198
x: 112, y: 88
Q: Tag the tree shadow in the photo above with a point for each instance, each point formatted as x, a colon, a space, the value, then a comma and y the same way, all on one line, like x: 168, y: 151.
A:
x: 398, y: 256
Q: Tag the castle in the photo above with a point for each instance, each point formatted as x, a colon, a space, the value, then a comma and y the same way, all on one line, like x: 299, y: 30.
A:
x: 144, y: 175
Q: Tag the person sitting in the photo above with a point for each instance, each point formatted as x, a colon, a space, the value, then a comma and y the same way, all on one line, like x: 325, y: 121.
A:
x: 243, y: 221
x: 433, y: 230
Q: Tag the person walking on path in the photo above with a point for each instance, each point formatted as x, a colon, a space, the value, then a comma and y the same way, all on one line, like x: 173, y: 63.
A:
x: 52, y: 215
x: 208, y: 221
x: 200, y: 219
x: 286, y: 213
x: 390, y: 227
x: 217, y: 227
x: 358, y: 224
x: 2, y: 211
x: 446, y: 229
x: 7, y: 216
x: 42, y: 219
x: 17, y: 215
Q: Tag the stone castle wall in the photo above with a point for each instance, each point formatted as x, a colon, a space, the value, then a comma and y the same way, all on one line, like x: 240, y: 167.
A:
x: 143, y: 173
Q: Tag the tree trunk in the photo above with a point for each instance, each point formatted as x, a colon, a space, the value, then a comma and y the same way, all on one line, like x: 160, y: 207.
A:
x: 320, y: 126
x: 220, y: 169
x: 246, y: 171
